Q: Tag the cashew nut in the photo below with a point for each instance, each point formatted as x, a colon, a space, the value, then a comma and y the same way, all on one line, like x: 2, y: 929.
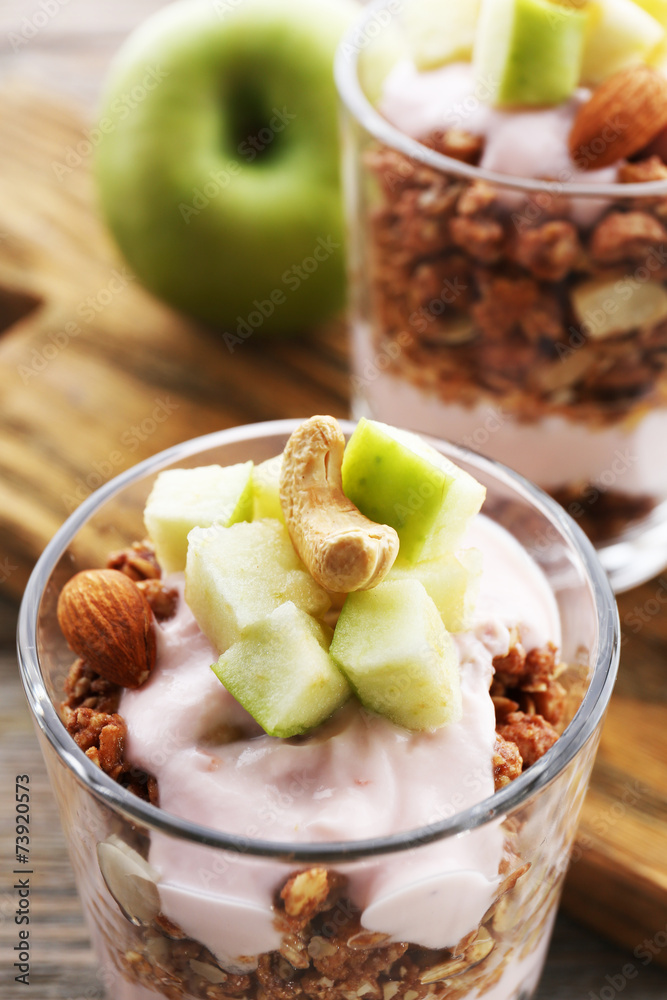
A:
x: 342, y: 549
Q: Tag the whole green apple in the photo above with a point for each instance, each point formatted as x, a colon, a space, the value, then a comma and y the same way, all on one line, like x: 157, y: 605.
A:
x: 218, y: 170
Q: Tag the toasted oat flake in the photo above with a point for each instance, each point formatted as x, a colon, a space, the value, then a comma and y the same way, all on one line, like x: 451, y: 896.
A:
x: 390, y: 990
x: 212, y: 973
x: 319, y: 947
x: 366, y: 939
x: 474, y: 954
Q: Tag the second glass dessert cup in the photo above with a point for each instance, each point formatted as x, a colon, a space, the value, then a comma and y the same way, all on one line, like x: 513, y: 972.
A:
x: 525, y: 319
x: 191, y: 930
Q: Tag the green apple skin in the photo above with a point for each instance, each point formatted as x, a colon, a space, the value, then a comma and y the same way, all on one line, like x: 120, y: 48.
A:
x: 210, y: 224
x: 397, y: 655
x: 281, y: 672
x: 530, y: 50
x: 183, y: 499
x: 396, y: 478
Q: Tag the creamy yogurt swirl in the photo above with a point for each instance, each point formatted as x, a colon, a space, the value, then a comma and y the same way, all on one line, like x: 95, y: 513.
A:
x: 358, y: 776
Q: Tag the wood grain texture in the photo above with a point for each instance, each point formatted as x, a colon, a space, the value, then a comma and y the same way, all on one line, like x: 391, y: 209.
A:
x: 90, y: 410
x: 618, y: 878
x: 98, y: 374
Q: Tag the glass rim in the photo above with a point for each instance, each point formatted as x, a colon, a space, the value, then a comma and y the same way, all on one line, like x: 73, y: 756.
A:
x: 353, y: 97
x: 494, y: 807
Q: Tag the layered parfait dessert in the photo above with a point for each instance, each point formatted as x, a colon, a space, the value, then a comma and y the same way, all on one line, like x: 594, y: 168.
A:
x: 513, y: 301
x: 331, y: 646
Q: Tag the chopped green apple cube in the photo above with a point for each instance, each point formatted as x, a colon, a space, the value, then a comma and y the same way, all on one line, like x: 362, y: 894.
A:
x: 378, y: 58
x: 621, y: 34
x: 529, y: 51
x: 397, y: 655
x: 238, y: 575
x: 266, y: 489
x: 395, y: 478
x: 440, y: 31
x: 183, y: 499
x: 281, y: 672
x: 452, y: 582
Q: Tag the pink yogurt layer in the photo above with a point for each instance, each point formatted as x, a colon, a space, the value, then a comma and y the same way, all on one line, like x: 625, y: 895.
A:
x: 530, y: 143
x: 358, y: 776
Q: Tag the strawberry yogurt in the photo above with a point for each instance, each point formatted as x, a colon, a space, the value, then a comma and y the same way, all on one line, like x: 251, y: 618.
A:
x: 530, y: 143
x: 357, y: 777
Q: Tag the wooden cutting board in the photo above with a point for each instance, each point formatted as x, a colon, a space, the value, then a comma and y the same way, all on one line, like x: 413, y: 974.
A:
x: 95, y: 375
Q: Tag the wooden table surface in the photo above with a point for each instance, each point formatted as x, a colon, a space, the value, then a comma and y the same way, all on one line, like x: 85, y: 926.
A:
x: 67, y: 56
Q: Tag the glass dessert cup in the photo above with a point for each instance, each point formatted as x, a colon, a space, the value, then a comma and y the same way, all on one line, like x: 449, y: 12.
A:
x: 518, y: 317
x: 495, y: 950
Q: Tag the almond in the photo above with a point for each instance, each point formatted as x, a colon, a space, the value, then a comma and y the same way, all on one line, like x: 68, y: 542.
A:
x: 625, y: 113
x: 107, y: 621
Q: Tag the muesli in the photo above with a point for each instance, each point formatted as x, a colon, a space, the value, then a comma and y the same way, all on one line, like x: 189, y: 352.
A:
x: 546, y: 310
x: 478, y: 634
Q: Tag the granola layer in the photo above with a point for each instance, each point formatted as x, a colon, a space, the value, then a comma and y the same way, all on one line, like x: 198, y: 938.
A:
x: 325, y: 953
x: 477, y: 293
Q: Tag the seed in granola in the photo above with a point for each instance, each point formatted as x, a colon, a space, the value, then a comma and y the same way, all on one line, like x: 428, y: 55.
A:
x: 480, y: 949
x: 450, y: 333
x: 157, y: 949
x: 169, y: 928
x: 565, y: 373
x: 319, y: 947
x: 241, y: 966
x: 130, y: 880
x: 294, y: 950
x: 366, y: 939
x: 511, y: 880
x: 211, y: 973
